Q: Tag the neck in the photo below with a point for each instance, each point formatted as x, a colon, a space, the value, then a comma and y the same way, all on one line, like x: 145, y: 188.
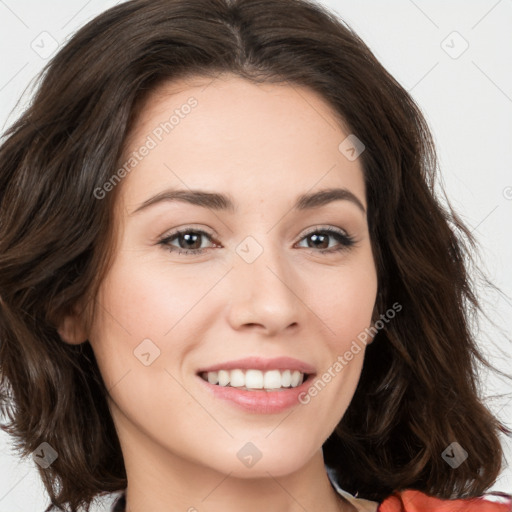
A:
x: 161, y: 481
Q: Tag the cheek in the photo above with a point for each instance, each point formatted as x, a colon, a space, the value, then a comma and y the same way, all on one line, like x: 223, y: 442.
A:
x: 141, y: 311
x: 147, y: 301
x: 344, y: 300
x: 141, y: 301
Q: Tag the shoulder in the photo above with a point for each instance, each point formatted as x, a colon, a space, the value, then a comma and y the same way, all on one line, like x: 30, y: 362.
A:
x: 411, y: 500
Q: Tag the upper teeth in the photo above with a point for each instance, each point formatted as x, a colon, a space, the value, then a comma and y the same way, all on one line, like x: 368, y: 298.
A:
x: 255, y: 379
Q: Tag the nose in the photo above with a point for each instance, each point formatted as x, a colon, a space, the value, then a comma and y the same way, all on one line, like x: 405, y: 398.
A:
x: 263, y: 295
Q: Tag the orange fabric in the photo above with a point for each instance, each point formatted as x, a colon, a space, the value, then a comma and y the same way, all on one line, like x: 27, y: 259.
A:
x: 415, y: 501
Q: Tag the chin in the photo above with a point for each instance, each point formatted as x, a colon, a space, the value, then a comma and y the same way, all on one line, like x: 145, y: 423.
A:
x: 276, y: 462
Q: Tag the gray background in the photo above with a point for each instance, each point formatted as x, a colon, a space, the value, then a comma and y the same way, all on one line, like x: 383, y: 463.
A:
x: 465, y: 93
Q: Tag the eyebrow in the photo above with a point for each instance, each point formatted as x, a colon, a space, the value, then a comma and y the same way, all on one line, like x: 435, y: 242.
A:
x: 217, y: 201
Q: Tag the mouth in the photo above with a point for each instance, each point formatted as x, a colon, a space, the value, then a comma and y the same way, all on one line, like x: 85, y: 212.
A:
x: 253, y: 379
x: 256, y: 391
x: 258, y: 385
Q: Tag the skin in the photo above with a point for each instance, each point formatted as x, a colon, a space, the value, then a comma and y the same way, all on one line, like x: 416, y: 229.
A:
x: 264, y: 145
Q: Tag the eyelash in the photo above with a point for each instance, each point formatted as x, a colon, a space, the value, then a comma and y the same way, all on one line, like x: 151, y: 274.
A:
x: 346, y: 241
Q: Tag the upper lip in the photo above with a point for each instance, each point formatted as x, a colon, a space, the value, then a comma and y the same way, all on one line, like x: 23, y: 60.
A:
x: 259, y: 363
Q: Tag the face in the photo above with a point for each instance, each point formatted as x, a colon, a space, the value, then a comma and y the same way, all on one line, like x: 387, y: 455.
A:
x: 256, y: 273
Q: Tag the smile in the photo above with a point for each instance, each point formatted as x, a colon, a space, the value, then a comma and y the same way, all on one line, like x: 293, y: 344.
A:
x: 255, y: 379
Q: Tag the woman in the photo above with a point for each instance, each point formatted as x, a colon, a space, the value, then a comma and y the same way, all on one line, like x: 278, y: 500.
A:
x: 225, y: 280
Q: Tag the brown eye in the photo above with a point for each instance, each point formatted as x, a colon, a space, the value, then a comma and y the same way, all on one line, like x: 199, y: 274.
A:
x: 319, y: 239
x: 189, y: 241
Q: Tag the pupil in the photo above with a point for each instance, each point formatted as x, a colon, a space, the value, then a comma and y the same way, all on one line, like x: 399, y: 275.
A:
x: 316, y: 237
x: 189, y: 237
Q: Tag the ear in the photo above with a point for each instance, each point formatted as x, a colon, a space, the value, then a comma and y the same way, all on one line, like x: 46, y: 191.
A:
x: 70, y: 329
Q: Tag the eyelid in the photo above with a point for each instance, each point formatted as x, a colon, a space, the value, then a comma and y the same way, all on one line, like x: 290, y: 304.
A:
x: 188, y: 227
x: 314, y: 229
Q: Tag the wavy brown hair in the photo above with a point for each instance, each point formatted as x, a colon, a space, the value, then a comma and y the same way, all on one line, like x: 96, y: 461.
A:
x: 419, y: 388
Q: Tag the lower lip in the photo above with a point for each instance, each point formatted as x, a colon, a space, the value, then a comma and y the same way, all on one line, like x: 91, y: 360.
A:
x: 259, y: 401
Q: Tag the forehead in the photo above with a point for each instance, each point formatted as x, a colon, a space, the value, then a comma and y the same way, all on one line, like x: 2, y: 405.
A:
x: 266, y: 139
